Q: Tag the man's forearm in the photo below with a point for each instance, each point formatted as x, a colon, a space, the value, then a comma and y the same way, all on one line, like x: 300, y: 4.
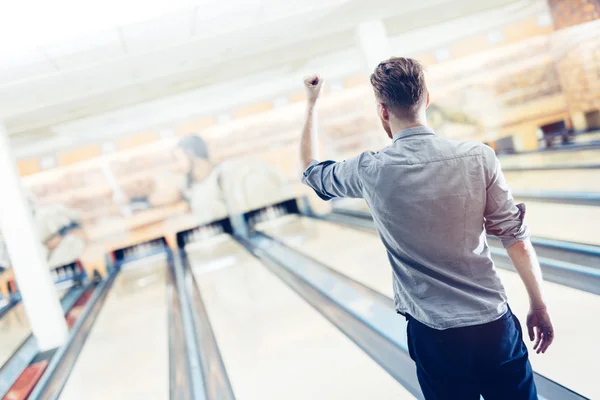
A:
x: 526, y: 263
x: 309, y: 136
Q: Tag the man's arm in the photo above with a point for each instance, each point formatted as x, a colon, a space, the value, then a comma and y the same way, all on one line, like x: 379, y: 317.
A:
x: 328, y: 179
x: 506, y: 220
x: 539, y: 324
x: 309, y: 142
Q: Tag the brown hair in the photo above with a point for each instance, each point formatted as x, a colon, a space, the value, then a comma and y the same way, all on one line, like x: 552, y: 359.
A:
x: 399, y: 83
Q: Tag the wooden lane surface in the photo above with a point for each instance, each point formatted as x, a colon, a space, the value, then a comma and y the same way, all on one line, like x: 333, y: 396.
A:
x: 590, y: 156
x: 570, y: 180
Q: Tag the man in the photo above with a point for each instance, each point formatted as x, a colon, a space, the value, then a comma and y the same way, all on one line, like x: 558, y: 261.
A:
x: 433, y: 200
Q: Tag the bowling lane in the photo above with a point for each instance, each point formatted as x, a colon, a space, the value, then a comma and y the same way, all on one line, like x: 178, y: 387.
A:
x: 571, y: 360
x: 573, y: 223
x: 126, y: 354
x: 569, y: 222
x: 274, y: 344
x: 545, y: 158
x: 567, y: 180
x: 14, y: 329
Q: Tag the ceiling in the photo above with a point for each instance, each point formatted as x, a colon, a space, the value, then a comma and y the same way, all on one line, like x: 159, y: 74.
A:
x: 96, y: 60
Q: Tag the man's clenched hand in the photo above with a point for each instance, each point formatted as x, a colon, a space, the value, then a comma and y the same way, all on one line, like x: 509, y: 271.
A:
x: 313, y: 86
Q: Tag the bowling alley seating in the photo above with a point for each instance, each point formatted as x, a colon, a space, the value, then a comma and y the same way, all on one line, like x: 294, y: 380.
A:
x: 505, y: 145
x: 592, y: 119
x: 554, y: 130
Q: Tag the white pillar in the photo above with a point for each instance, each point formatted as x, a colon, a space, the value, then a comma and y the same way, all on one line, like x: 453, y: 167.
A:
x: 373, y: 43
x: 28, y: 262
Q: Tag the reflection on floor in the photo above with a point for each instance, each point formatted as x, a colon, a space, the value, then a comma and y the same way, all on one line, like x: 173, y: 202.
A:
x: 14, y: 329
x: 274, y: 344
x: 126, y: 354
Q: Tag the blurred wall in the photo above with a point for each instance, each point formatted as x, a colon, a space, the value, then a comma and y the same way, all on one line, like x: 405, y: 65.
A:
x: 501, y: 74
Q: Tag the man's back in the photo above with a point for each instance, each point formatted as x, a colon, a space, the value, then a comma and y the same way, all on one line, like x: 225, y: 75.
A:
x: 432, y: 200
x: 428, y: 197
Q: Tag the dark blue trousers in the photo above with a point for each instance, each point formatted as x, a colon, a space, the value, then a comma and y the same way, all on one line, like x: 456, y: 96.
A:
x: 463, y: 363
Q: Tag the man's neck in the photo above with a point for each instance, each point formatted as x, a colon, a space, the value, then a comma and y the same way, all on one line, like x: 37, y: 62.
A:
x: 398, y: 126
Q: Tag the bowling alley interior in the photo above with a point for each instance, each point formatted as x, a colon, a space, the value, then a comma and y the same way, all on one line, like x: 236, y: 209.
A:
x: 157, y: 242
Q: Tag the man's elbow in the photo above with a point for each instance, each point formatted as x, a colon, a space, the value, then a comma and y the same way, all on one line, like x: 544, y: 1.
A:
x: 305, y: 163
x: 518, y: 246
x: 520, y: 249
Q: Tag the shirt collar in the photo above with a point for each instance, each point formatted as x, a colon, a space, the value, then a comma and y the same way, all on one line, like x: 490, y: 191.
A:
x: 415, y: 130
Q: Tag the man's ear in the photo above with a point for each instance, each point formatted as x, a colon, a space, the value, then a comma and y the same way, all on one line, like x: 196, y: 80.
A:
x: 427, y: 100
x: 383, y: 112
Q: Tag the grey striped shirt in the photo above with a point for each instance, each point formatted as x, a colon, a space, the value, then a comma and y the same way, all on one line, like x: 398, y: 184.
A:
x: 433, y: 200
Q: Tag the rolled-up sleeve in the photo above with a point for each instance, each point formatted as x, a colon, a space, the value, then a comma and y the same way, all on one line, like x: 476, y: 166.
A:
x: 331, y: 179
x: 503, y: 218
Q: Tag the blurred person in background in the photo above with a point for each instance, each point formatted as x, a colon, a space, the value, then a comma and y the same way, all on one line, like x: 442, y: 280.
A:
x: 60, y: 231
x: 238, y: 185
x: 433, y: 200
x: 194, y: 179
x: 201, y: 182
x: 212, y: 190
